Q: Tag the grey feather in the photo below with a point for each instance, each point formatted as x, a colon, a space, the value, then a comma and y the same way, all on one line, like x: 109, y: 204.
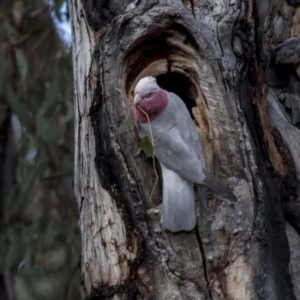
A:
x: 215, y: 185
x: 178, y: 208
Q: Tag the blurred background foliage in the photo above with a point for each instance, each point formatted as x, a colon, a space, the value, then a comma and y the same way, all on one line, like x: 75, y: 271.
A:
x: 39, y: 235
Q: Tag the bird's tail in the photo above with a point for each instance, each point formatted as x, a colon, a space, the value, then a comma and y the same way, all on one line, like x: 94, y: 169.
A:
x: 216, y: 186
x: 178, y: 208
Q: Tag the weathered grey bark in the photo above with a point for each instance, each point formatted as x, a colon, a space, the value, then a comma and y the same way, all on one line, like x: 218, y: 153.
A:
x: 282, y: 49
x: 210, y: 54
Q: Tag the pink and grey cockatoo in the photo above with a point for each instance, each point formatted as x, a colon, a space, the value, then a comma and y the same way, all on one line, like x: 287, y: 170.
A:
x: 178, y: 150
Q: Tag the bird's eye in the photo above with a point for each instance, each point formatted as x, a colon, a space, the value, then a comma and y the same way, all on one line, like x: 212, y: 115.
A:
x: 148, y: 95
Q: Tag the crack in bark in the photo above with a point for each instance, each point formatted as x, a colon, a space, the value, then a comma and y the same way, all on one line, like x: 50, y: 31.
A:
x: 256, y: 195
x: 192, y: 8
x: 81, y: 203
x: 218, y: 38
x: 221, y: 65
x: 250, y: 160
x: 201, y: 247
x: 177, y: 279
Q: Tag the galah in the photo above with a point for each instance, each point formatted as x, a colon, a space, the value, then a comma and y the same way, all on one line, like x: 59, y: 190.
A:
x: 178, y: 150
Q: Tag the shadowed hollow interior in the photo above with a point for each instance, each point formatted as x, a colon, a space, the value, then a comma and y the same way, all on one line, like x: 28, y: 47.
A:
x: 179, y: 85
x: 170, y: 56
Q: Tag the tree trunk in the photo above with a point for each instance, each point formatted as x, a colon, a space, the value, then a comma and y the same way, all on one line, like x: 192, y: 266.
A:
x: 282, y: 49
x: 210, y: 54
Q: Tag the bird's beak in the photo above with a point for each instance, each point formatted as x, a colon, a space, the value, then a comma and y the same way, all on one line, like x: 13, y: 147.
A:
x: 137, y: 99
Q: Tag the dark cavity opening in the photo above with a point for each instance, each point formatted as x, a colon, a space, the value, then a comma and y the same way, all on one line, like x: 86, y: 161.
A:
x: 159, y: 45
x: 179, y: 85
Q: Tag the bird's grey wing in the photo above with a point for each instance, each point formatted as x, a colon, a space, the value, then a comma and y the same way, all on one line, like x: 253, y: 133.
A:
x: 190, y: 135
x: 177, y: 155
x: 187, y: 127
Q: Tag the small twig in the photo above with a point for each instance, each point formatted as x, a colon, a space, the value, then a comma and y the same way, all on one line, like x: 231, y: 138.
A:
x: 152, y: 141
x: 151, y: 135
x: 121, y: 92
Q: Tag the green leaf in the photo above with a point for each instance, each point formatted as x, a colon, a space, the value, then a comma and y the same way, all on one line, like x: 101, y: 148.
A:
x: 23, y: 289
x: 18, y: 208
x: 147, y: 147
x: 15, y: 250
x: 17, y: 106
x: 22, y: 64
x: 125, y: 125
x: 55, y: 258
x: 45, y: 130
x: 11, y: 32
x: 52, y: 92
x: 70, y: 112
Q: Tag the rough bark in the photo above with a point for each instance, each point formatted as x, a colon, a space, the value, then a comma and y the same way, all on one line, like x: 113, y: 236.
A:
x: 210, y: 54
x: 282, y: 49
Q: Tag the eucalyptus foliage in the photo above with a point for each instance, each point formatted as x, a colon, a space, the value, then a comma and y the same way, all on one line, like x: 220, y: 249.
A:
x: 40, y: 213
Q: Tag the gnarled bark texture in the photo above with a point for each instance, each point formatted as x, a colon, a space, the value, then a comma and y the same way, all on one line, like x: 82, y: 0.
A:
x: 210, y: 54
x: 282, y: 101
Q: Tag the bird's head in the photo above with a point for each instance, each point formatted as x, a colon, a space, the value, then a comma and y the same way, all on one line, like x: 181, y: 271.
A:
x: 149, y: 99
